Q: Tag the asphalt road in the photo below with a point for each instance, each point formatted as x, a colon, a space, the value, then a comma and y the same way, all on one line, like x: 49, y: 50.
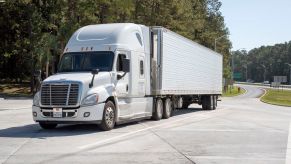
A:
x: 242, y: 130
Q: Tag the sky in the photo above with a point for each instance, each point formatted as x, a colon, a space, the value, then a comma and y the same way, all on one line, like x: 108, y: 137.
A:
x: 254, y: 23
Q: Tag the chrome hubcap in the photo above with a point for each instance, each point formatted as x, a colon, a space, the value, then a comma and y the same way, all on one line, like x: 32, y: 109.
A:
x: 109, y: 116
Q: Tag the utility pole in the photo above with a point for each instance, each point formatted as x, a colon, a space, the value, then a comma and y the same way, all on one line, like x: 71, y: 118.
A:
x: 232, y: 61
x: 289, y: 72
x: 215, y: 41
x: 264, y: 72
x: 246, y: 67
x: 32, y: 58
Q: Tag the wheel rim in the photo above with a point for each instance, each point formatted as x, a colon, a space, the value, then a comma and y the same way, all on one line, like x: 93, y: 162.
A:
x: 109, y: 116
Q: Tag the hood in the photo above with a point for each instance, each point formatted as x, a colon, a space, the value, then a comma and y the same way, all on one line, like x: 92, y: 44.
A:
x: 83, y: 77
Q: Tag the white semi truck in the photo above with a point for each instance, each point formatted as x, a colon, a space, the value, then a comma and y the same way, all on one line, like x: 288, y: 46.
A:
x: 116, y: 73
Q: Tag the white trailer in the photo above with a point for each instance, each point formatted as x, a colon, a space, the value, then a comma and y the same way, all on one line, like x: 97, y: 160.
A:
x: 115, y: 73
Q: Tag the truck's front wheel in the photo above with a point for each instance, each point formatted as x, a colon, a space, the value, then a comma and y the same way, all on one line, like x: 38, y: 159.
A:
x: 45, y: 125
x: 108, y: 120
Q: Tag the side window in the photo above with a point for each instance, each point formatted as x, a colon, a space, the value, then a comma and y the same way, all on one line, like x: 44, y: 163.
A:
x: 119, y: 62
x: 141, y: 68
x: 138, y: 38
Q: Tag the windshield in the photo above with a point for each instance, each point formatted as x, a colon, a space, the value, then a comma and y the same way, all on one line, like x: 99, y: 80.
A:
x: 86, y: 61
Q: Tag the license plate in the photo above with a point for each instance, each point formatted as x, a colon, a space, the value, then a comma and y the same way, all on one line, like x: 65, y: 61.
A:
x: 57, y: 112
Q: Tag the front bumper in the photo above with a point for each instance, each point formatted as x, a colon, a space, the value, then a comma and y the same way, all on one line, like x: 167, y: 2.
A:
x: 96, y: 114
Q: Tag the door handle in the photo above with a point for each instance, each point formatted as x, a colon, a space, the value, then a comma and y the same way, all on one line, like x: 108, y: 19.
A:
x: 126, y: 87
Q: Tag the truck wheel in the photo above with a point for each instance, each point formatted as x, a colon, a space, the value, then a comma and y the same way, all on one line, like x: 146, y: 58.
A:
x: 214, y: 102
x: 211, y: 102
x: 168, y: 108
x: 47, y: 125
x: 108, y: 120
x: 158, y: 113
x: 206, y: 103
x: 180, y: 102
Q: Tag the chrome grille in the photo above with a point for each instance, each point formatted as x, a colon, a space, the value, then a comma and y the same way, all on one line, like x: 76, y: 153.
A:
x: 59, y: 94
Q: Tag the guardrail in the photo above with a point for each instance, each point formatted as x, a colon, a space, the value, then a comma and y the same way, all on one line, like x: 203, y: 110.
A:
x: 266, y: 85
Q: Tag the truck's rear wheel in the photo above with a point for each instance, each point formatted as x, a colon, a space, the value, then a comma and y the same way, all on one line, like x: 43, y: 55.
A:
x: 214, y: 102
x: 180, y: 103
x: 45, y: 125
x: 158, y: 111
x: 207, y: 102
x: 168, y: 108
x: 108, y: 120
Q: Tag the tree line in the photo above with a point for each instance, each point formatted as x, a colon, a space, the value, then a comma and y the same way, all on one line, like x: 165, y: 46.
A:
x: 34, y: 32
x: 263, y: 63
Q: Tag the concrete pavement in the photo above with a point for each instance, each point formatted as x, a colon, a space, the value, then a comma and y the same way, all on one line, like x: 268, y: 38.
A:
x: 241, y: 130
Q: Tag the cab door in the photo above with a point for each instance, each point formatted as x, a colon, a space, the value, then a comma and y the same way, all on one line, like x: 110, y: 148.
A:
x: 122, y: 85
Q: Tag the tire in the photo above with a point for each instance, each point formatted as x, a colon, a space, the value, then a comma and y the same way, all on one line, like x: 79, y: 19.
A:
x: 211, y: 103
x: 180, y: 102
x: 158, y: 111
x: 168, y: 108
x: 206, y: 103
x: 109, y: 115
x: 214, y: 102
x: 47, y: 125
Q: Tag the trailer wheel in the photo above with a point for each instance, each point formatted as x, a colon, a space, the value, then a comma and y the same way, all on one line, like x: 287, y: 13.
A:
x: 168, y: 108
x: 214, y: 102
x: 158, y: 112
x: 207, y: 102
x: 180, y: 102
x: 108, y: 120
x: 47, y: 125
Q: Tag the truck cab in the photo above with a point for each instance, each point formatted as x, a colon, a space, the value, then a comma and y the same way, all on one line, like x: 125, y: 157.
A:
x: 102, y: 78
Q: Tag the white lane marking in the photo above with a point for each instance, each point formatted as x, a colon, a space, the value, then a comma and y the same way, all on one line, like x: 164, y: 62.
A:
x: 288, y: 151
x: 3, y: 109
x: 236, y: 158
x: 201, y: 116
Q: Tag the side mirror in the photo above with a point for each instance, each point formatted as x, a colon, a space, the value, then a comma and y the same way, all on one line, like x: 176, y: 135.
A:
x: 94, y: 72
x: 125, y: 68
x: 125, y: 65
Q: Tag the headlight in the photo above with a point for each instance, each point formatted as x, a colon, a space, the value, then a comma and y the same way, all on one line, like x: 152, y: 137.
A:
x: 90, y: 100
x: 36, y: 99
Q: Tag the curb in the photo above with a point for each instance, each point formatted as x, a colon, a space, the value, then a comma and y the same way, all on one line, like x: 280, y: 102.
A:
x: 265, y: 92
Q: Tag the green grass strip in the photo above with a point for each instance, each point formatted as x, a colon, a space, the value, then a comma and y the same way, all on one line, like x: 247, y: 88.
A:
x: 233, y: 91
x: 277, y: 97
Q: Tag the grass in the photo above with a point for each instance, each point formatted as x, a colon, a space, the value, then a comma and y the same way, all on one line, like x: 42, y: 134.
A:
x: 15, y: 90
x: 233, y: 91
x: 277, y: 97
